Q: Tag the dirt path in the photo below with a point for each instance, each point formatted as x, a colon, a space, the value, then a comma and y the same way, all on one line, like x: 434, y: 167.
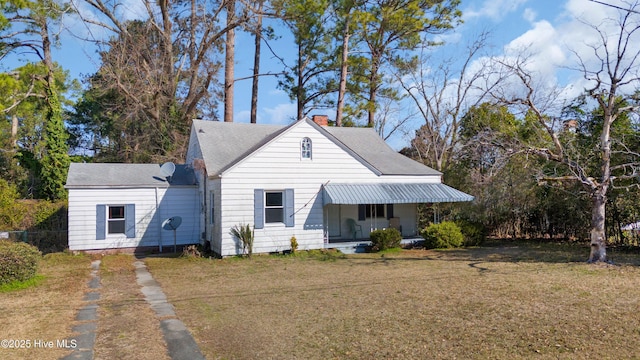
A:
x: 126, y: 316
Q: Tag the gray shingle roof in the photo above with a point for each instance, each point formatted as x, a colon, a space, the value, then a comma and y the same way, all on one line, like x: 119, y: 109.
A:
x: 100, y: 175
x: 224, y: 144
x: 371, y: 148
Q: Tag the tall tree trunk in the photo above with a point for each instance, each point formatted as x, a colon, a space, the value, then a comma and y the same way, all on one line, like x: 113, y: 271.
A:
x: 598, y: 238
x: 598, y: 214
x: 343, y: 70
x: 55, y: 161
x: 229, y: 63
x: 14, y: 131
x: 371, y: 105
x: 376, y: 58
x: 256, y: 65
x: 300, y: 88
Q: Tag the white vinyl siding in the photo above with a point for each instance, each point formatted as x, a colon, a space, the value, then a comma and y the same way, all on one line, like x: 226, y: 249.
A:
x: 148, y: 207
x: 277, y: 165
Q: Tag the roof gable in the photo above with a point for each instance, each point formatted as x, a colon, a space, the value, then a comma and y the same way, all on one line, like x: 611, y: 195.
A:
x: 369, y: 146
x: 223, y: 145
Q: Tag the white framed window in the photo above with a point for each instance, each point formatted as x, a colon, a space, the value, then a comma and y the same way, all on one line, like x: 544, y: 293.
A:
x: 116, y: 220
x: 273, y: 207
x: 306, y: 148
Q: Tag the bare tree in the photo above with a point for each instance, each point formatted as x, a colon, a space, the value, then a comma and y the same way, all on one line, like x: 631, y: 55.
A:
x: 166, y: 76
x: 441, y: 96
x: 613, y: 81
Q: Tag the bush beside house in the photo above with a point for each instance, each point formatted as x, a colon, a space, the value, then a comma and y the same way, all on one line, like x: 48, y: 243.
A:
x: 446, y: 234
x: 385, y: 239
x: 474, y: 233
x: 44, y: 222
x: 18, y: 261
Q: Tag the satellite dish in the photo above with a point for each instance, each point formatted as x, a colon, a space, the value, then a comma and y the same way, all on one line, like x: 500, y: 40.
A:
x: 172, y: 223
x: 167, y: 169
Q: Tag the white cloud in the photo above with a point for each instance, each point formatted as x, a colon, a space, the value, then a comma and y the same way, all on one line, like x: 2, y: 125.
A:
x: 124, y: 10
x: 542, y: 44
x: 132, y: 9
x: 280, y: 114
x: 277, y: 92
x: 243, y: 116
x: 530, y: 15
x: 494, y: 9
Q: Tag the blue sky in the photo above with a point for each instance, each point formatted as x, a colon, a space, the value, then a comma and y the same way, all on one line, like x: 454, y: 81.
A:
x: 549, y: 29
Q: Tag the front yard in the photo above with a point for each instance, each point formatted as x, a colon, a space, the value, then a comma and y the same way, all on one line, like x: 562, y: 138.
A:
x: 32, y: 318
x: 503, y: 301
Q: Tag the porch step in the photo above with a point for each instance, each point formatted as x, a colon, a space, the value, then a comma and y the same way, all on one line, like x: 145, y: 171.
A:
x: 357, y: 247
x: 350, y: 247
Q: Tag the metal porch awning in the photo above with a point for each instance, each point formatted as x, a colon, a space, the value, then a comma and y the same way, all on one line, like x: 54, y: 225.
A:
x: 390, y: 193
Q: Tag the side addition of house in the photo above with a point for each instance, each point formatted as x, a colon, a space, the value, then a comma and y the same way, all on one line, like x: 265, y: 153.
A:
x: 123, y: 206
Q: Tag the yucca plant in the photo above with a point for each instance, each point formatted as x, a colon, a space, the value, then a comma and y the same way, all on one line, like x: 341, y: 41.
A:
x: 244, y: 233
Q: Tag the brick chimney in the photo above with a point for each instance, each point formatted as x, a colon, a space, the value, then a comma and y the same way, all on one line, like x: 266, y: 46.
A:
x: 322, y: 120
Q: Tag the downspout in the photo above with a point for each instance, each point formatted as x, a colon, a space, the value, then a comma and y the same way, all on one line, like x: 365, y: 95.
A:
x: 206, y: 198
x: 159, y: 222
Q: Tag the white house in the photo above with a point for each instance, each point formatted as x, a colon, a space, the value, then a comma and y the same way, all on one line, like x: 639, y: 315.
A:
x: 317, y: 183
x: 320, y: 184
x: 123, y: 206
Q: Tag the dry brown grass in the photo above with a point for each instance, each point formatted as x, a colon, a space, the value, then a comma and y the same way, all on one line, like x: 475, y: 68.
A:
x: 46, y: 311
x: 505, y: 301
x: 127, y: 327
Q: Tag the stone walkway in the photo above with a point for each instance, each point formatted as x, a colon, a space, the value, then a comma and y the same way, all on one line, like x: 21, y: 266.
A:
x: 180, y: 343
x: 87, y: 319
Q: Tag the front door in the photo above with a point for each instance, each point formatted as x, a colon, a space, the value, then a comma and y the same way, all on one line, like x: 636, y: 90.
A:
x: 333, y: 221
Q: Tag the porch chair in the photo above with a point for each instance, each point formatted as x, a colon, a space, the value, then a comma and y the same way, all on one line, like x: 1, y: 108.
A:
x: 354, y: 228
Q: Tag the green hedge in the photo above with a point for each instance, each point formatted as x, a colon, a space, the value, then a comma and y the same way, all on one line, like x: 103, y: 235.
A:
x: 18, y: 261
x: 447, y: 234
x: 12, y: 212
x: 474, y: 233
x: 385, y: 239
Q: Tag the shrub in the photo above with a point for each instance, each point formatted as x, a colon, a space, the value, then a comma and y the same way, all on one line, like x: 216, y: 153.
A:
x: 385, y: 239
x: 444, y: 235
x: 18, y: 261
x: 191, y: 251
x: 245, y: 235
x: 474, y: 233
x: 11, y: 211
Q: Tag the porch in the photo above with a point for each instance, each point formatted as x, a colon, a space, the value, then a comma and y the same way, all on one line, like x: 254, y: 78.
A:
x: 353, y: 211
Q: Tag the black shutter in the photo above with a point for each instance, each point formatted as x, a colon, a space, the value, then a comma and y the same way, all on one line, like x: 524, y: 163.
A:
x: 362, y: 212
